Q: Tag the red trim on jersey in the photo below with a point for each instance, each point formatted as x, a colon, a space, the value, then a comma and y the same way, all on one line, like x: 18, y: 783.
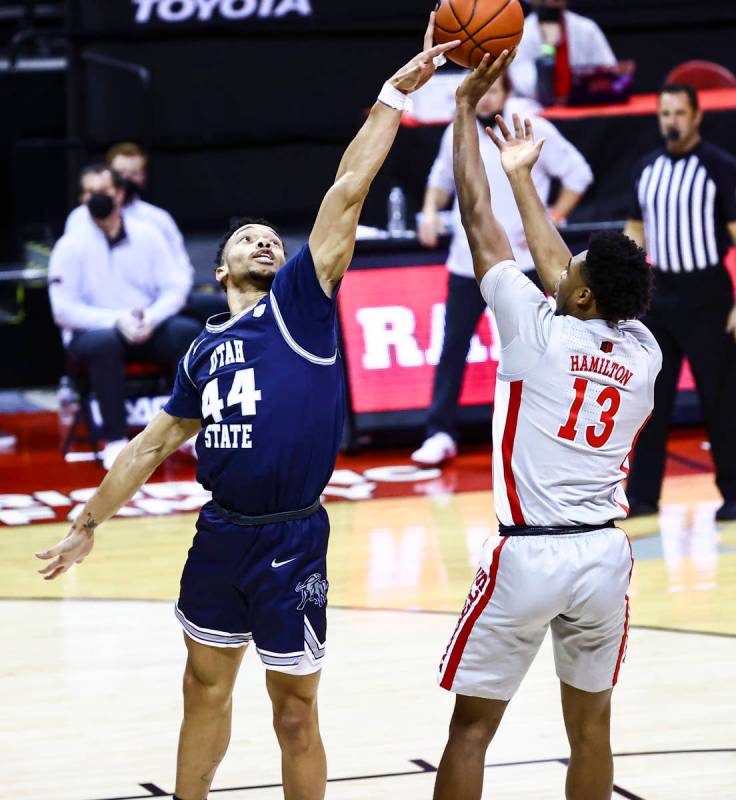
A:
x: 625, y: 637
x: 462, y: 639
x: 621, y: 505
x: 625, y: 469
x: 507, y: 449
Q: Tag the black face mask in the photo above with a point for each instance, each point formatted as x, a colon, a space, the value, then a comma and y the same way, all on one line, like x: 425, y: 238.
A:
x: 489, y: 121
x: 131, y: 189
x: 549, y: 14
x: 100, y: 205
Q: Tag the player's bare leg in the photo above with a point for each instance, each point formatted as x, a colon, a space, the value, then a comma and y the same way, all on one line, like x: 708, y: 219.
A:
x: 474, y: 723
x: 588, y: 724
x: 209, y: 677
x: 295, y: 720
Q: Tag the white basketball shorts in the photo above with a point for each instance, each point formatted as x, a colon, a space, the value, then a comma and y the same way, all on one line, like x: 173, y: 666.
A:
x: 576, y: 583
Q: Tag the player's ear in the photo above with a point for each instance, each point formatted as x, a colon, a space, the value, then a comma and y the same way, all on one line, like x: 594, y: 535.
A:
x: 585, y: 297
x: 221, y: 274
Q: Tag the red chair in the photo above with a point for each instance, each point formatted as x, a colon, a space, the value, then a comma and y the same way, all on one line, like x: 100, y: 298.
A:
x: 138, y: 375
x: 703, y: 75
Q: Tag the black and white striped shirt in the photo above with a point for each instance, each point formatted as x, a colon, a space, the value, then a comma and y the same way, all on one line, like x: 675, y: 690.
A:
x: 686, y: 204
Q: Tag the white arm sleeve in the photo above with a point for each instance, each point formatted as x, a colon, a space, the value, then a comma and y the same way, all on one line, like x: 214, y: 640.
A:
x: 176, y: 241
x: 561, y: 159
x: 173, y: 283
x: 68, y: 308
x: 442, y: 174
x: 523, y: 316
x: 600, y: 52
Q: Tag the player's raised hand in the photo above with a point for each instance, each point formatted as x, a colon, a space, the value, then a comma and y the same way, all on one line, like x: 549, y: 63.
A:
x: 72, y: 549
x: 480, y: 80
x: 422, y: 67
x: 519, y: 151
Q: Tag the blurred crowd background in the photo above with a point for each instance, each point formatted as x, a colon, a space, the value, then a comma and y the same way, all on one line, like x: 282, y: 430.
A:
x: 138, y: 129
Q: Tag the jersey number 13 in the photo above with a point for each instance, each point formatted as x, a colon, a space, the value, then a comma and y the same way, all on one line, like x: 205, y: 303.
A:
x: 609, y: 400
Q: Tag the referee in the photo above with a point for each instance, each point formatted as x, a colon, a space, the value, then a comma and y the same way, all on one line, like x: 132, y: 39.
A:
x: 684, y: 215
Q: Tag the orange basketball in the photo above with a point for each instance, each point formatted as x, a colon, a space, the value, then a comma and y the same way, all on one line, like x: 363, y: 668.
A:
x: 483, y: 26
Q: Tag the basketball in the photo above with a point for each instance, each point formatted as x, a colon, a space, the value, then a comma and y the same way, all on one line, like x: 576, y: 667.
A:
x: 483, y: 26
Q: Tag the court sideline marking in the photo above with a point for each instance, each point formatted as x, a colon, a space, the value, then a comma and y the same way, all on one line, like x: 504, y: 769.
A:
x: 425, y: 767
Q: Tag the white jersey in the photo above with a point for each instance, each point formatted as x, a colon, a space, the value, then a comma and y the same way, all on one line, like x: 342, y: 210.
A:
x: 571, y: 398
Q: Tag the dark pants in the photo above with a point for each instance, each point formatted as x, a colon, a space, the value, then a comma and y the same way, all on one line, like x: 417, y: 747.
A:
x: 464, y: 308
x: 688, y: 318
x: 104, y: 354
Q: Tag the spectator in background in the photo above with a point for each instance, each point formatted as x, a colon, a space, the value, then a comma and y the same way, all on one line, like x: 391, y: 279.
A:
x: 130, y: 162
x: 559, y: 159
x: 115, y: 291
x: 684, y: 214
x: 552, y: 31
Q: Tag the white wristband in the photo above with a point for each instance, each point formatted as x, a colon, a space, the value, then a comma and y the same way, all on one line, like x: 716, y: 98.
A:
x: 390, y: 96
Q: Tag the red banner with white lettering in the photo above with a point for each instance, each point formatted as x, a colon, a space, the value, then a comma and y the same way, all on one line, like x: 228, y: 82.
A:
x: 393, y: 324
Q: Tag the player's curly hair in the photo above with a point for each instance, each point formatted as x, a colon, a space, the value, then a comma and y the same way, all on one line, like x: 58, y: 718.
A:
x: 617, y: 272
x: 236, y: 226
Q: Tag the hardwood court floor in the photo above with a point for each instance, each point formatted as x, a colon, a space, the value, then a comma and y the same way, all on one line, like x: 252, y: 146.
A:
x: 90, y: 687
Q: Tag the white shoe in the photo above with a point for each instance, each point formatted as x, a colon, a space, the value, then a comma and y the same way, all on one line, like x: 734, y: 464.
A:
x: 435, y: 450
x: 111, y: 451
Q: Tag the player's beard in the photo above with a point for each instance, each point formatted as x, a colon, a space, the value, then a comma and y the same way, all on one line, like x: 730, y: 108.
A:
x: 260, y: 278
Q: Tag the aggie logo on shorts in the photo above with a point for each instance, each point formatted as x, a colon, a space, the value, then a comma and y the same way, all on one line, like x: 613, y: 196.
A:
x: 313, y: 590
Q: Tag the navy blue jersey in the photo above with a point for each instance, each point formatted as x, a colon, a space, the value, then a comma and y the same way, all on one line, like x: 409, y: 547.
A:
x: 268, y: 386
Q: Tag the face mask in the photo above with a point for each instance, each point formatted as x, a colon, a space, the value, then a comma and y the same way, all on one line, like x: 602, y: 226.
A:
x: 100, y: 205
x: 131, y: 189
x: 549, y: 14
x: 490, y: 120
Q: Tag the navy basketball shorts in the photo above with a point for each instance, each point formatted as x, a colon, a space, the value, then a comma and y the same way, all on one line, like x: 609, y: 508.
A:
x: 266, y: 584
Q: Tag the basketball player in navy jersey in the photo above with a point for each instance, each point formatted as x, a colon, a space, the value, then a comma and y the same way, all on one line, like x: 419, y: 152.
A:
x: 263, y: 387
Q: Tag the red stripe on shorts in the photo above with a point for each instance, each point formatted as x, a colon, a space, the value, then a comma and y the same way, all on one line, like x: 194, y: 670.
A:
x: 625, y: 637
x: 462, y: 639
x: 507, y: 449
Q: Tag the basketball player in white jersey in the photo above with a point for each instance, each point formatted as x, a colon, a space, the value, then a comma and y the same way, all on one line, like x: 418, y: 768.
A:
x: 574, y: 388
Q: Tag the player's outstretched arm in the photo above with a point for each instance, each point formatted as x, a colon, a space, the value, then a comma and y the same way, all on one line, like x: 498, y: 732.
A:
x: 133, y: 466
x: 488, y: 241
x: 519, y: 153
x: 332, y: 240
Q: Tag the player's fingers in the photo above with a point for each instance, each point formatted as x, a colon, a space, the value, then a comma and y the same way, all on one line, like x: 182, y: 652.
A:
x: 51, y: 567
x: 484, y: 65
x: 429, y: 33
x: 500, y: 63
x: 494, y: 138
x: 504, y: 128
x: 528, y: 130
x: 517, y: 126
x: 56, y: 550
x: 60, y: 570
x: 539, y: 145
x: 439, y: 49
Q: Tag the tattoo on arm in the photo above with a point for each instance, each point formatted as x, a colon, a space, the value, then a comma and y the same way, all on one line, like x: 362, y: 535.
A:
x: 90, y: 525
